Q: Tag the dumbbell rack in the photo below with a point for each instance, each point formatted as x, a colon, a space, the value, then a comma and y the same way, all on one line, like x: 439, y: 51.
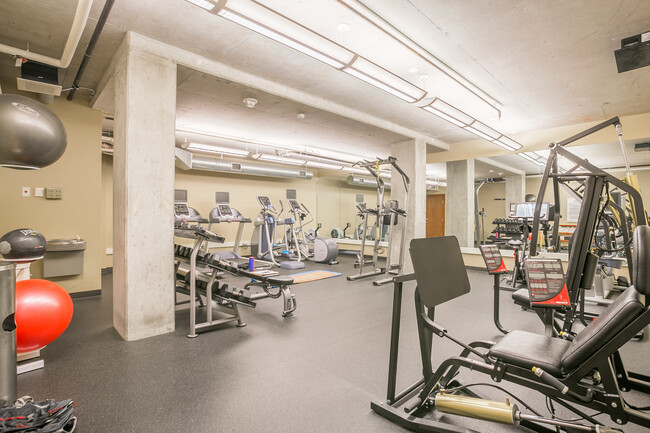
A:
x: 205, y: 278
x: 229, y: 308
x: 505, y: 229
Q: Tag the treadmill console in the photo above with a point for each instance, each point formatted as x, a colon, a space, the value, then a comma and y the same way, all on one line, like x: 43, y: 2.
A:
x: 546, y: 286
x: 493, y: 259
x: 181, y: 211
x: 224, y: 210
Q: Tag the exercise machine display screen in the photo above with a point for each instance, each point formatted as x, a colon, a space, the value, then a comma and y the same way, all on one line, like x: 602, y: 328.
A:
x: 493, y: 259
x: 224, y: 210
x: 526, y: 211
x: 294, y: 204
x: 264, y: 201
x: 546, y: 285
x: 181, y: 210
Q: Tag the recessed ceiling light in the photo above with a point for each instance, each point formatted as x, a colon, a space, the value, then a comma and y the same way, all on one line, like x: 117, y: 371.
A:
x: 343, y: 27
x: 414, y: 70
x: 424, y: 76
x: 250, y: 102
x: 301, y: 116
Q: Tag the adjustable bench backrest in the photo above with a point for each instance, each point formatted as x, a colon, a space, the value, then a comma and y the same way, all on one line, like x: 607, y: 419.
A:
x: 627, y: 308
x: 439, y: 269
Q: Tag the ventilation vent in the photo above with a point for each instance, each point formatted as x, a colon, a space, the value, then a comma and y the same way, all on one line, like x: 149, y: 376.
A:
x: 236, y: 166
x: 302, y: 173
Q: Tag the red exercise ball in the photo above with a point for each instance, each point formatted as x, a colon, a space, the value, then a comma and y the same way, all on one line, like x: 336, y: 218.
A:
x: 43, y: 312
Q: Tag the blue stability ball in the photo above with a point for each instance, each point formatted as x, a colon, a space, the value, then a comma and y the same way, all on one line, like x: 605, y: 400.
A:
x: 31, y: 135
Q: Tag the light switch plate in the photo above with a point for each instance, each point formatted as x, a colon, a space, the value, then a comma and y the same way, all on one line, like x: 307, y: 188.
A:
x: 38, y: 192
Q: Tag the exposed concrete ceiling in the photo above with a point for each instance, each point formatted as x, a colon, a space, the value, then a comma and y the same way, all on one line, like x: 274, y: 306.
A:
x: 548, y: 63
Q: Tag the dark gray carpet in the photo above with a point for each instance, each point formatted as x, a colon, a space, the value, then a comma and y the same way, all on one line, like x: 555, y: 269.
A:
x: 317, y: 371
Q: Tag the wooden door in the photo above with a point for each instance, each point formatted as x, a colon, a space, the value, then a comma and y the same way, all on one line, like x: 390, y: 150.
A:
x: 435, y: 215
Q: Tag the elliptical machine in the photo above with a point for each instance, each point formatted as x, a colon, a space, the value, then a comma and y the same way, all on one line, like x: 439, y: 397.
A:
x: 263, y: 240
x: 317, y: 249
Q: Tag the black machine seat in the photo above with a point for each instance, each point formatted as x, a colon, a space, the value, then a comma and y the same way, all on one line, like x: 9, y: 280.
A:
x: 557, y: 356
x: 525, y: 349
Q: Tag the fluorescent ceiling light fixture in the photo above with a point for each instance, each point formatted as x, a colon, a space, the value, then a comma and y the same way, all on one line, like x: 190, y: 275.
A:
x: 504, y: 145
x: 217, y: 149
x: 355, y: 170
x: 534, y: 158
x: 479, y: 133
x: 323, y: 165
x: 372, y: 17
x: 280, y: 159
x: 202, y: 4
x: 379, y: 77
x: 508, y: 143
x: 444, y: 116
x: 271, y: 24
x: 453, y: 115
x: 484, y: 130
x: 265, y: 21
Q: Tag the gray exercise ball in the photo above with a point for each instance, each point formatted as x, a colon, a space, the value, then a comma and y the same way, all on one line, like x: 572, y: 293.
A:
x: 31, y: 135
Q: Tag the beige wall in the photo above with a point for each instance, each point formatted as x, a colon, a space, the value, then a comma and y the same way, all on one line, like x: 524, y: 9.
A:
x: 78, y: 173
x: 327, y: 196
x: 107, y: 211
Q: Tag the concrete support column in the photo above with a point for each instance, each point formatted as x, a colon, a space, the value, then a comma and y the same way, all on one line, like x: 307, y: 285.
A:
x: 515, y: 190
x: 412, y: 159
x: 459, y: 203
x: 143, y: 187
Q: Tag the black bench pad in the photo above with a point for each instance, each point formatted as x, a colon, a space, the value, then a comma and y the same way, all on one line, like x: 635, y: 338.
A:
x: 525, y: 349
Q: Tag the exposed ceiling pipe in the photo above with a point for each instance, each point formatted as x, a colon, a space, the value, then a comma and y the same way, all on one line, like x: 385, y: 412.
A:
x: 91, y: 46
x: 78, y: 25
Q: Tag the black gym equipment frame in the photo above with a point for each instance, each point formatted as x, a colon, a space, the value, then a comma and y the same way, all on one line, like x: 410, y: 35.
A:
x: 596, y: 181
x: 571, y: 388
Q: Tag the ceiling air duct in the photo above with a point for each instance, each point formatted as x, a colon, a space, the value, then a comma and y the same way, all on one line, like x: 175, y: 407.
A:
x: 197, y: 162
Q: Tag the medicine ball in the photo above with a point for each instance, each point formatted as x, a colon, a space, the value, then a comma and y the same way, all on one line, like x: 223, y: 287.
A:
x: 22, y: 244
x: 31, y: 135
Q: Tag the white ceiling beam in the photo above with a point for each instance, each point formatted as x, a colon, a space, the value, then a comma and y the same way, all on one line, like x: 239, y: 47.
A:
x: 217, y: 69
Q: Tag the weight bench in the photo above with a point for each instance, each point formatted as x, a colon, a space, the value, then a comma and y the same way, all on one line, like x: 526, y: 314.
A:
x: 586, y: 370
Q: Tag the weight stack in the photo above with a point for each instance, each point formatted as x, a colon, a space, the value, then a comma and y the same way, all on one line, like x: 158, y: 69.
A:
x: 8, y: 379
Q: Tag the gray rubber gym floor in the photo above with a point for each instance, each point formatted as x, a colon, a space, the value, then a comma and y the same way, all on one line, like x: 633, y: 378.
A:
x: 316, y: 371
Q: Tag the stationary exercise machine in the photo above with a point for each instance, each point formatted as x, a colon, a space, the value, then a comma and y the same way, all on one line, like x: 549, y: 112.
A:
x: 223, y: 213
x: 594, y: 189
x: 387, y: 215
x: 583, y: 373
x: 316, y: 248
x: 263, y: 241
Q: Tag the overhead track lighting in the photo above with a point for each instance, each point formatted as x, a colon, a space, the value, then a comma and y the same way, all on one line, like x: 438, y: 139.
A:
x: 265, y: 21
x: 209, y: 148
x: 463, y: 120
x: 323, y: 165
x: 280, y: 159
x: 375, y: 19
